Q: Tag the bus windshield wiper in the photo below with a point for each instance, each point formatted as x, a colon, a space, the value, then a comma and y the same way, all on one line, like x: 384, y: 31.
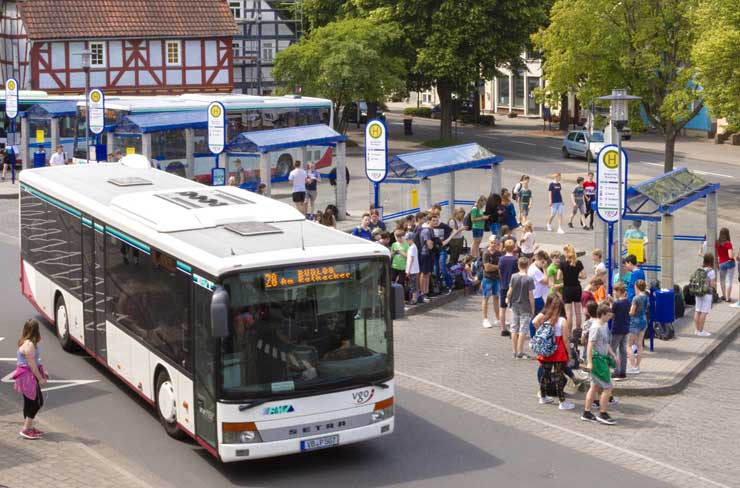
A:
x: 252, y: 404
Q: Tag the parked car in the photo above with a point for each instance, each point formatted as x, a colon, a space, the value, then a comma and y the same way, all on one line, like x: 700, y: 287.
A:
x: 626, y: 134
x: 465, y: 108
x: 437, y: 112
x: 353, y: 112
x: 574, y: 144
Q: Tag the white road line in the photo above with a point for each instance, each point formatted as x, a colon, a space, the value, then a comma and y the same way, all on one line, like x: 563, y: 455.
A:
x: 652, y: 164
x: 555, y: 147
x: 522, y: 142
x: 548, y: 425
x: 708, y: 173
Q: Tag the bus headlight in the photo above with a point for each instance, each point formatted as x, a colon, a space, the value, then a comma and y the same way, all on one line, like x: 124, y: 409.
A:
x: 240, y: 433
x: 383, y: 410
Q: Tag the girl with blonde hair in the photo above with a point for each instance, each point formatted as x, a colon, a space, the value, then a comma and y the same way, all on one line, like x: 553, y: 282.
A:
x: 572, y: 272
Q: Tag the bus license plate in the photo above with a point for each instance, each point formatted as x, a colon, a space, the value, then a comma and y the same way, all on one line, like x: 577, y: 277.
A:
x: 320, y: 443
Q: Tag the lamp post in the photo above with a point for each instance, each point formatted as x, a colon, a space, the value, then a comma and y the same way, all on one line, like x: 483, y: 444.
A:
x: 86, y: 54
x: 619, y: 114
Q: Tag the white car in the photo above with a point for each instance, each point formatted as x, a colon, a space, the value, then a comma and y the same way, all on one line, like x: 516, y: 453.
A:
x: 574, y: 144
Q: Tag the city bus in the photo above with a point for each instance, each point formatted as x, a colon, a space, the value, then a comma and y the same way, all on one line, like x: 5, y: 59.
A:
x: 245, y: 327
x: 244, y: 113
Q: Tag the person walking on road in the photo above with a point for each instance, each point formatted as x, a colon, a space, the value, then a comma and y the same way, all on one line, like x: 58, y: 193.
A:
x: 298, y: 178
x: 29, y: 375
x: 726, y: 261
x: 600, y: 357
x: 577, y: 197
x: 553, y: 366
x: 555, y: 199
x: 525, y: 199
x: 589, y: 196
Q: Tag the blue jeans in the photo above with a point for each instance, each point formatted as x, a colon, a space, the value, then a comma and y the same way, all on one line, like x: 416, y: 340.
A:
x: 443, y: 271
x: 539, y: 304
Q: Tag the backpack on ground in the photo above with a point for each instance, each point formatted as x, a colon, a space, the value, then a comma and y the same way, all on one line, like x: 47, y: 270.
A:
x: 679, y: 306
x: 688, y: 298
x: 543, y: 342
x: 699, y: 283
x: 664, y: 331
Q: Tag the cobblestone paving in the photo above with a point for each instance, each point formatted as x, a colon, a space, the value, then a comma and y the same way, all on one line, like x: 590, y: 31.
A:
x: 446, y: 354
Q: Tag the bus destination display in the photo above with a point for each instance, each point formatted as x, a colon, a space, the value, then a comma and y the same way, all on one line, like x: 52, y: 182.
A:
x: 305, y: 276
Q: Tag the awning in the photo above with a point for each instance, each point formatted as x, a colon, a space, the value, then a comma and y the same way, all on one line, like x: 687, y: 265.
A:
x: 665, y: 194
x: 159, y: 121
x: 274, y: 139
x: 433, y: 162
x: 45, y: 110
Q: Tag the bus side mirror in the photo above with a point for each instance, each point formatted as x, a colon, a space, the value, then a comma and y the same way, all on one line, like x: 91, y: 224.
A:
x: 220, y: 313
x: 397, y: 302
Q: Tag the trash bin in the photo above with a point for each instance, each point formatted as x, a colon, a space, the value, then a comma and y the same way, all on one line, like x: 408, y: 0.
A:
x: 665, y: 306
x: 407, y: 127
x: 39, y: 159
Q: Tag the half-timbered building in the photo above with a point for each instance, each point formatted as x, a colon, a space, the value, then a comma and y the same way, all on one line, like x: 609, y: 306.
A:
x: 136, y: 47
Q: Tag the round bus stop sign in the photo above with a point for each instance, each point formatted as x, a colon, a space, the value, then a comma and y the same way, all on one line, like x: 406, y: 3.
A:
x: 607, y: 182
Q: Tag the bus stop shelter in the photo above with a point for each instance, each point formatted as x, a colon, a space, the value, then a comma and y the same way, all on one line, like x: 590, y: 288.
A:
x: 264, y: 142
x: 419, y: 167
x: 656, y: 201
x: 56, y: 119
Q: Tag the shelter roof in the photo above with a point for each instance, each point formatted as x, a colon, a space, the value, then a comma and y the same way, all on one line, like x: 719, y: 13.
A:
x: 275, y: 139
x: 158, y: 121
x: 422, y: 164
x: 667, y: 193
x: 51, y: 109
x: 106, y: 19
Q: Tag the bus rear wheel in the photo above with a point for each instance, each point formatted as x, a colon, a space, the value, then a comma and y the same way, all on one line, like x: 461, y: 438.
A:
x: 167, y: 406
x: 61, y: 320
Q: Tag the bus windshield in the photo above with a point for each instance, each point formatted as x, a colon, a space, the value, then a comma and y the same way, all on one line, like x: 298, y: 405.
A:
x: 306, y: 330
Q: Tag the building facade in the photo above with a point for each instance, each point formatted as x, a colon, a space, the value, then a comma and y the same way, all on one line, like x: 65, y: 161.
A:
x: 183, y: 46
x: 264, y: 29
x: 514, y: 90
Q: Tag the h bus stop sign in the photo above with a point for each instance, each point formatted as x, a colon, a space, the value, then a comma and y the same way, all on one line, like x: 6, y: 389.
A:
x: 217, y: 140
x: 607, y: 183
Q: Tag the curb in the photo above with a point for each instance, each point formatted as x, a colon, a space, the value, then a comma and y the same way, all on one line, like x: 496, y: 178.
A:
x: 727, y: 334
x: 434, y: 303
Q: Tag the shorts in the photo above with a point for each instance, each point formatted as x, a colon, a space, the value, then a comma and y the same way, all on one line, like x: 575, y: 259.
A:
x: 520, y: 322
x: 426, y: 263
x: 556, y: 209
x: 502, y: 297
x: 572, y: 294
x: 637, y: 327
x: 299, y: 196
x: 528, y: 255
x: 703, y: 303
x: 524, y: 210
x: 579, y: 207
x: 413, y: 282
x: 489, y: 287
x: 477, y: 233
x: 311, y: 194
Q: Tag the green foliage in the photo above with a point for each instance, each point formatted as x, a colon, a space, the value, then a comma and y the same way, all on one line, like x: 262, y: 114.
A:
x: 344, y: 61
x: 716, y: 53
x: 594, y: 46
x: 425, y: 112
x: 443, y: 142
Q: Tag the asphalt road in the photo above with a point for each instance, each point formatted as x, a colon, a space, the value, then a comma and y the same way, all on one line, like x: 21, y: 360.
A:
x: 434, y: 444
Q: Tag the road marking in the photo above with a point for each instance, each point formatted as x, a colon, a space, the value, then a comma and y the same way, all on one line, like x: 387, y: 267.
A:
x: 651, y: 164
x: 708, y: 173
x: 555, y: 147
x: 522, y: 142
x: 8, y: 378
x: 565, y: 430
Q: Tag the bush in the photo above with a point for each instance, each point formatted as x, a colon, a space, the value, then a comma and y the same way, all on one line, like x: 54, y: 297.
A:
x: 436, y: 143
x: 409, y: 111
x: 424, y: 112
x: 468, y: 119
x: 512, y: 115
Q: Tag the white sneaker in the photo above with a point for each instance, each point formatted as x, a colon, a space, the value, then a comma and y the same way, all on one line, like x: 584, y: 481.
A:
x: 704, y: 333
x: 487, y: 324
x: 496, y: 322
x: 546, y: 400
x: 549, y: 228
x: 560, y: 230
x: 566, y: 405
x: 735, y: 305
x: 632, y: 371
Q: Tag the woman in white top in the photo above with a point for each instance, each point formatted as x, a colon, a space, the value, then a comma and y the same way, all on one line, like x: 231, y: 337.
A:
x: 457, y: 242
x: 526, y: 243
x: 704, y: 302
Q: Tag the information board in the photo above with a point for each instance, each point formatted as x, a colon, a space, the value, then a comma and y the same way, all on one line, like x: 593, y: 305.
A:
x: 11, y: 98
x: 607, y: 182
x: 376, y: 151
x: 216, y: 127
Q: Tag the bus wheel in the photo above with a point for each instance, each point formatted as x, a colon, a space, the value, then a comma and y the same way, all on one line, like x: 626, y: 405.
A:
x: 61, y: 319
x: 284, y: 165
x: 167, y: 406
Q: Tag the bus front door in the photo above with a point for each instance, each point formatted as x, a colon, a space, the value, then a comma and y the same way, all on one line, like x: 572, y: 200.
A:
x: 93, y: 286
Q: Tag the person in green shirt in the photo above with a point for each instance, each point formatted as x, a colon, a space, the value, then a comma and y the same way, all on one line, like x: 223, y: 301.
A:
x: 477, y: 224
x: 556, y: 285
x: 399, y: 250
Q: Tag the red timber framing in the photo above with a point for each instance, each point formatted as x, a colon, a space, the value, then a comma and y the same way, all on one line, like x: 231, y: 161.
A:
x: 139, y: 68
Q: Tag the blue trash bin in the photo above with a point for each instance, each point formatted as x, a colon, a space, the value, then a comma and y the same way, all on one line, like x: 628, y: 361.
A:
x: 39, y: 159
x: 665, y: 306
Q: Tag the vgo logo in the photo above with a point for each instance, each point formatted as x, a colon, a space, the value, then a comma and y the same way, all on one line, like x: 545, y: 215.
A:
x: 279, y: 409
x: 362, y: 397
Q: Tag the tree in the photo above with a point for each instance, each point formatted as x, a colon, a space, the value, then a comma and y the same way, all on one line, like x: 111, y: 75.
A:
x: 344, y: 61
x: 594, y: 46
x: 716, y: 54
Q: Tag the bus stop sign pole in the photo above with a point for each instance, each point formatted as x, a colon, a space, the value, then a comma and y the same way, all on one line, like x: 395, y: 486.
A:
x: 11, y: 110
x: 376, y: 156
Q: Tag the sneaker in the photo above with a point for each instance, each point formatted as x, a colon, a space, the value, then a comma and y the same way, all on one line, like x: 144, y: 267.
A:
x: 496, y: 322
x: 505, y: 333
x: 570, y: 224
x: 633, y: 370
x: 596, y: 404
x: 37, y: 431
x: 30, y: 434
x: 549, y: 228
x: 736, y: 304
x: 605, y: 419
x: 613, y: 400
x: 703, y: 333
x: 587, y: 416
x: 514, y: 356
x: 487, y: 324
x: 620, y: 377
x: 560, y: 230
x: 523, y: 355
x: 546, y: 400
x: 566, y: 405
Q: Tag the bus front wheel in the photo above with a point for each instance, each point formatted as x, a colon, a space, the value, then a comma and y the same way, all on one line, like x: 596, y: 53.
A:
x: 61, y: 319
x: 167, y: 406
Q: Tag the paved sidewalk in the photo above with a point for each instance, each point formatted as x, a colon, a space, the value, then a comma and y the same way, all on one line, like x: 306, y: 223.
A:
x: 8, y: 189
x: 64, y: 458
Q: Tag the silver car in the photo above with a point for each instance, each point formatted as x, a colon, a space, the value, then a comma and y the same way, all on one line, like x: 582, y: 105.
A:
x: 574, y: 144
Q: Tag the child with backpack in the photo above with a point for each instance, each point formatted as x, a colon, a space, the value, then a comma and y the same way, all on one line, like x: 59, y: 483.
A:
x: 600, y: 358
x: 549, y: 343
x: 701, y: 286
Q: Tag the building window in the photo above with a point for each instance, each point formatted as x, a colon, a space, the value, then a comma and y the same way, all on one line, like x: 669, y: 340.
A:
x: 97, y: 54
x: 236, y: 8
x: 267, y: 52
x: 503, y: 90
x: 519, y: 92
x: 173, y: 53
x: 236, y: 49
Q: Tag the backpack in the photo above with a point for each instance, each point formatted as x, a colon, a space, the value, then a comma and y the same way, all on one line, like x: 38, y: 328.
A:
x: 680, y: 308
x: 515, y: 191
x: 467, y: 222
x: 664, y: 331
x: 688, y: 298
x: 543, y: 342
x: 699, y: 284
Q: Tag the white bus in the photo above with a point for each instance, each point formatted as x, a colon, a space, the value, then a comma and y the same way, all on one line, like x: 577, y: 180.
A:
x: 245, y: 326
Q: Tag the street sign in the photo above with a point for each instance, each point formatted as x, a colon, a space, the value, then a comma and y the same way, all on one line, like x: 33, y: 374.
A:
x: 216, y: 127
x: 96, y: 103
x: 376, y: 151
x: 11, y: 98
x: 607, y: 182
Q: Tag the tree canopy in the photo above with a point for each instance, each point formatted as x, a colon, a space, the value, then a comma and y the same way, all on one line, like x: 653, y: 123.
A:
x: 716, y: 54
x: 594, y: 46
x: 344, y: 61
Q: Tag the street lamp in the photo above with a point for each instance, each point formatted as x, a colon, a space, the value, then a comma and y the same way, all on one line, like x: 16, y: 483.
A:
x: 619, y: 114
x: 86, y: 54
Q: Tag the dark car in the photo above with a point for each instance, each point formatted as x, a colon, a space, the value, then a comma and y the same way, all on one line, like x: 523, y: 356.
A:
x: 465, y: 108
x: 353, y: 112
